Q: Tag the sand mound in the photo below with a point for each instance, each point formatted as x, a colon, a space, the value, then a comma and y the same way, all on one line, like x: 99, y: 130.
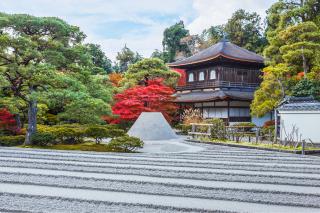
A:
x: 152, y: 126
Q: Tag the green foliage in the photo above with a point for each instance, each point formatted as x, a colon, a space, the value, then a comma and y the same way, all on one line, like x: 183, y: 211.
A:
x: 293, y: 35
x: 43, y: 139
x: 150, y: 68
x: 306, y: 87
x: 65, y: 134
x: 125, y: 144
x: 100, y: 132
x: 218, y: 130
x: 184, y: 128
x: 245, y: 30
x: 127, y: 57
x: 291, y: 16
x: 211, y: 36
x: 99, y: 59
x: 245, y: 124
x: 271, y: 91
x: 300, y: 44
x: 11, y: 140
x: 75, y: 133
x: 164, y: 56
x: 43, y: 60
x: 172, y: 41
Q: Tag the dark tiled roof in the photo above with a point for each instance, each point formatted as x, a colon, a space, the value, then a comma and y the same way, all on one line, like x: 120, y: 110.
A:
x: 203, y: 96
x: 299, y: 104
x: 223, y: 48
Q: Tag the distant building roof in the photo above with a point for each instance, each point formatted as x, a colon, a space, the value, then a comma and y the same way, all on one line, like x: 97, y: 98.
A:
x: 224, y: 49
x: 203, y: 96
x: 299, y: 104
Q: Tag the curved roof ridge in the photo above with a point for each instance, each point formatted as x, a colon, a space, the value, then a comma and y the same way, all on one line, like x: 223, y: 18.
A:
x: 243, y: 49
x: 223, y: 48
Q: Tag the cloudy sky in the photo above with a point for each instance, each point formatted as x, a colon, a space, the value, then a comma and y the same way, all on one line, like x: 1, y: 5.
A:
x: 137, y: 23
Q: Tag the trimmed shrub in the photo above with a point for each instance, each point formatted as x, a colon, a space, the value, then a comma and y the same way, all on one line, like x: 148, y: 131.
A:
x: 218, y: 130
x: 98, y: 133
x: 184, y: 128
x: 75, y: 133
x: 114, y: 131
x: 65, y: 134
x: 125, y: 144
x: 247, y: 126
x: 43, y: 139
x: 12, y: 140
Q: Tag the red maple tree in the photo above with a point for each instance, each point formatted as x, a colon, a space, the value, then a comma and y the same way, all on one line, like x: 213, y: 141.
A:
x: 183, y: 77
x: 8, y: 122
x: 154, y: 97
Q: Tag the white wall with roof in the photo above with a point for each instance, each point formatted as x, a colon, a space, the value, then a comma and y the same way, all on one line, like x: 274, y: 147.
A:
x: 306, y: 123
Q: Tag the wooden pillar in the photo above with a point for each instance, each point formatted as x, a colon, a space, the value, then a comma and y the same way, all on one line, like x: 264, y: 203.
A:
x: 202, y: 109
x: 228, y: 111
x: 275, y: 126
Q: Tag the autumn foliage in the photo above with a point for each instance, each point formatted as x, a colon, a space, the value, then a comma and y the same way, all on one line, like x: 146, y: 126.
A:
x: 7, y: 121
x: 115, y: 78
x: 155, y: 97
x: 183, y: 78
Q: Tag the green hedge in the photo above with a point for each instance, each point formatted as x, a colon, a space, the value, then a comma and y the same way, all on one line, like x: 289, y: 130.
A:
x: 43, y: 139
x: 75, y: 133
x: 125, y: 144
x: 100, y: 132
x: 184, y: 128
x: 12, y: 140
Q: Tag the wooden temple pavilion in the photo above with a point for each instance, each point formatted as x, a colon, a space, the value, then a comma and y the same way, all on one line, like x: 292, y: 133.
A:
x: 220, y: 81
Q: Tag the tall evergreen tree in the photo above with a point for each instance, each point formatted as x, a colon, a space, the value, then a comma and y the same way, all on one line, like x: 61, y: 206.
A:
x: 127, y: 57
x: 245, y: 30
x: 42, y: 60
x: 99, y: 58
x: 172, y: 41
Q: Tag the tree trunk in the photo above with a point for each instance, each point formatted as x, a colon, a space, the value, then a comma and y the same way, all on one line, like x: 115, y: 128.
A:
x: 32, y: 121
x: 18, y: 120
x: 304, y: 64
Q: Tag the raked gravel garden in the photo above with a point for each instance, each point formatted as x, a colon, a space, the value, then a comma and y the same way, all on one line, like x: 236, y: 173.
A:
x: 209, y: 178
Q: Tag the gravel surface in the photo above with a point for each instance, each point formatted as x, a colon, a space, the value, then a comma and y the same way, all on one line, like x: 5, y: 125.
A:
x: 216, y: 179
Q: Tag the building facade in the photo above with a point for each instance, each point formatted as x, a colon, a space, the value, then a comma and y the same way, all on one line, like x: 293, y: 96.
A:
x: 298, y: 119
x: 220, y: 81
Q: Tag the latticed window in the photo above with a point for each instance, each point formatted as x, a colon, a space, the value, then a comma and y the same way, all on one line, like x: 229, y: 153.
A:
x: 191, y: 77
x: 213, y: 75
x: 201, y: 76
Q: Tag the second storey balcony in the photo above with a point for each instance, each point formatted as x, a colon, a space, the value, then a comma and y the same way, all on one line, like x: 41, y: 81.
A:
x: 217, y: 84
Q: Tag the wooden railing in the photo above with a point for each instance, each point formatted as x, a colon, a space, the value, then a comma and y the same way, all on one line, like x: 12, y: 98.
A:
x: 213, y: 84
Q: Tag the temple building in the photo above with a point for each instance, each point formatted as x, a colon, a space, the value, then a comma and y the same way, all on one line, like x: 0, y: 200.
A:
x: 220, y: 81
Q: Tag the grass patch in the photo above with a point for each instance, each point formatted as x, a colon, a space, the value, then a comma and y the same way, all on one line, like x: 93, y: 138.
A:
x: 260, y: 145
x: 88, y: 146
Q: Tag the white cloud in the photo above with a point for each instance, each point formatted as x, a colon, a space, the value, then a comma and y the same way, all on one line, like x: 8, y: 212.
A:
x: 154, y: 15
x: 215, y: 12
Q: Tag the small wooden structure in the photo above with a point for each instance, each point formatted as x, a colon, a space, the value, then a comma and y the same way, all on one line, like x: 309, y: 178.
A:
x: 234, y: 133
x: 194, y: 133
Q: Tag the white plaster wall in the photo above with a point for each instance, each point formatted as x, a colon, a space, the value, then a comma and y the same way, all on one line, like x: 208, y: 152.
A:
x: 308, y: 124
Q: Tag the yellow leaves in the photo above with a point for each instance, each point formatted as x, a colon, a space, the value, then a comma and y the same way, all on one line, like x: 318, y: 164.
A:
x: 115, y: 78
